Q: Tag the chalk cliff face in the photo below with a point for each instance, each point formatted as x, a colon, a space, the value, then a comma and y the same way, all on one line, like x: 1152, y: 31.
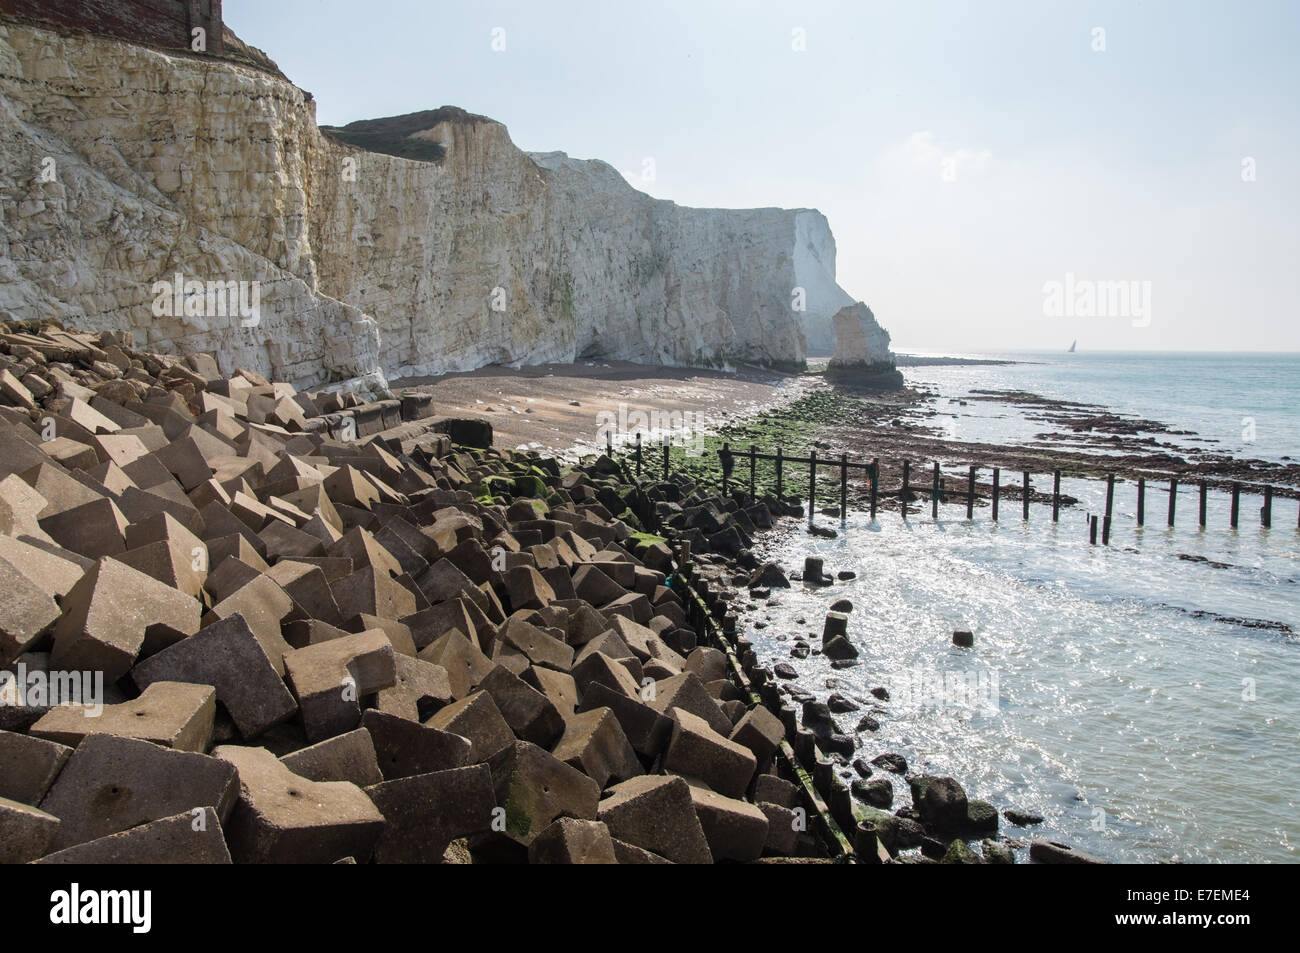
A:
x: 859, y: 340
x: 121, y: 166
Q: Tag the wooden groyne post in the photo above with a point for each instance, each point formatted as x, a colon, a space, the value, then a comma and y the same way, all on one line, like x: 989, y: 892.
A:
x: 1173, y: 499
x: 844, y: 487
x: 753, y: 457
x: 997, y: 477
x: 970, y: 494
x: 779, y: 483
x: 1110, y: 503
x: 1024, y: 496
x: 1236, y: 503
x: 875, y: 483
x: 812, y: 485
x: 1142, y: 500
x: 934, y: 493
x: 902, y: 497
x: 1204, y: 493
x: 1056, y: 496
x: 1266, y: 512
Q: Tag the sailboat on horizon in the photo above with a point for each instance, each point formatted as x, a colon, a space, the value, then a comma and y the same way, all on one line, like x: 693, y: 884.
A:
x: 1073, y: 345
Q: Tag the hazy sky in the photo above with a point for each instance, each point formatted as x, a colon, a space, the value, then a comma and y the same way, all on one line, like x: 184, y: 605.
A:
x: 966, y: 154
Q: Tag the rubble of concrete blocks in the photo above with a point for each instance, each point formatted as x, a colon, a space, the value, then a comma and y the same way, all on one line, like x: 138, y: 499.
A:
x: 228, y: 635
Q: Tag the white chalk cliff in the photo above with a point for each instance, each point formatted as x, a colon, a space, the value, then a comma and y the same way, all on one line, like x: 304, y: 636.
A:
x: 121, y: 166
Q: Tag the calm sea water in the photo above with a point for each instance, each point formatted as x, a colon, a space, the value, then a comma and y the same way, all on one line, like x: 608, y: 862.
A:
x: 1141, y: 697
x: 1245, y: 405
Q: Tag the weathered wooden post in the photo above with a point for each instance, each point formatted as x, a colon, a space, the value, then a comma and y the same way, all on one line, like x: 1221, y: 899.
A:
x: 638, y: 454
x: 1142, y: 500
x: 875, y: 483
x: 1056, y: 496
x: 970, y: 494
x: 1173, y: 498
x: 812, y: 485
x: 1092, y: 531
x: 1266, y: 514
x: 902, y: 497
x: 844, y: 487
x: 666, y: 441
x: 997, y: 481
x: 1204, y: 491
x: 934, y: 493
x: 753, y: 451
x: 780, y: 461
x: 1024, y: 495
x: 609, y: 445
x: 1110, y: 504
x: 1236, y: 503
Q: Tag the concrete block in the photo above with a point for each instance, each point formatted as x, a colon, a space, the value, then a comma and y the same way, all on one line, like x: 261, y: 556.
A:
x: 284, y: 818
x: 346, y: 757
x: 330, y: 679
x: 113, y: 614
x: 426, y: 812
x: 406, y: 748
x: 112, y: 783
x: 171, y: 714
x: 190, y: 837
x: 594, y: 743
x: 656, y: 813
x: 698, y: 752
x: 227, y: 656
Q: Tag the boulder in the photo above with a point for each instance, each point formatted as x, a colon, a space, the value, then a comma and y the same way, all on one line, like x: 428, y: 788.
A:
x: 940, y: 802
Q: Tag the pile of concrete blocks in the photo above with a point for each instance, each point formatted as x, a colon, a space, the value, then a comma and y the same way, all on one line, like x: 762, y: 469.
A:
x: 227, y: 634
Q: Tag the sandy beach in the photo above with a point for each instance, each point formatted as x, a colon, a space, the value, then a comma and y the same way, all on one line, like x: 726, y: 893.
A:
x: 555, y: 407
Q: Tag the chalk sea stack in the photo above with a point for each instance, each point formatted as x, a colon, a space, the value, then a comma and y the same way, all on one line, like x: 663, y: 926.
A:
x: 862, y: 356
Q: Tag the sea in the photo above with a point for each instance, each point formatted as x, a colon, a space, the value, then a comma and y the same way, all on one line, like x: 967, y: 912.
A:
x: 1141, y: 697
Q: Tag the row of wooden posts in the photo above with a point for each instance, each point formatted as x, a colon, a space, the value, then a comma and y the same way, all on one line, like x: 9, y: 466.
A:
x: 938, y: 490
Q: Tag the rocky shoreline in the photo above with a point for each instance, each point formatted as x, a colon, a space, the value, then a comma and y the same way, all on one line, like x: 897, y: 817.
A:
x: 314, y: 629
x: 326, y: 630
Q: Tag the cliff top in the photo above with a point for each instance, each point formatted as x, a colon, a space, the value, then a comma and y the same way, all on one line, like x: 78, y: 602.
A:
x: 400, y: 135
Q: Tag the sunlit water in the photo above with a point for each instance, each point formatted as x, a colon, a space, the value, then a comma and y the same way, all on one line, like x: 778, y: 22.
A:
x: 1113, y: 690
x: 1246, y: 405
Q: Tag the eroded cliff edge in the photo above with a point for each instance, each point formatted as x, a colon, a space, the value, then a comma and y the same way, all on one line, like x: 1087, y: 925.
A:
x: 166, y: 163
